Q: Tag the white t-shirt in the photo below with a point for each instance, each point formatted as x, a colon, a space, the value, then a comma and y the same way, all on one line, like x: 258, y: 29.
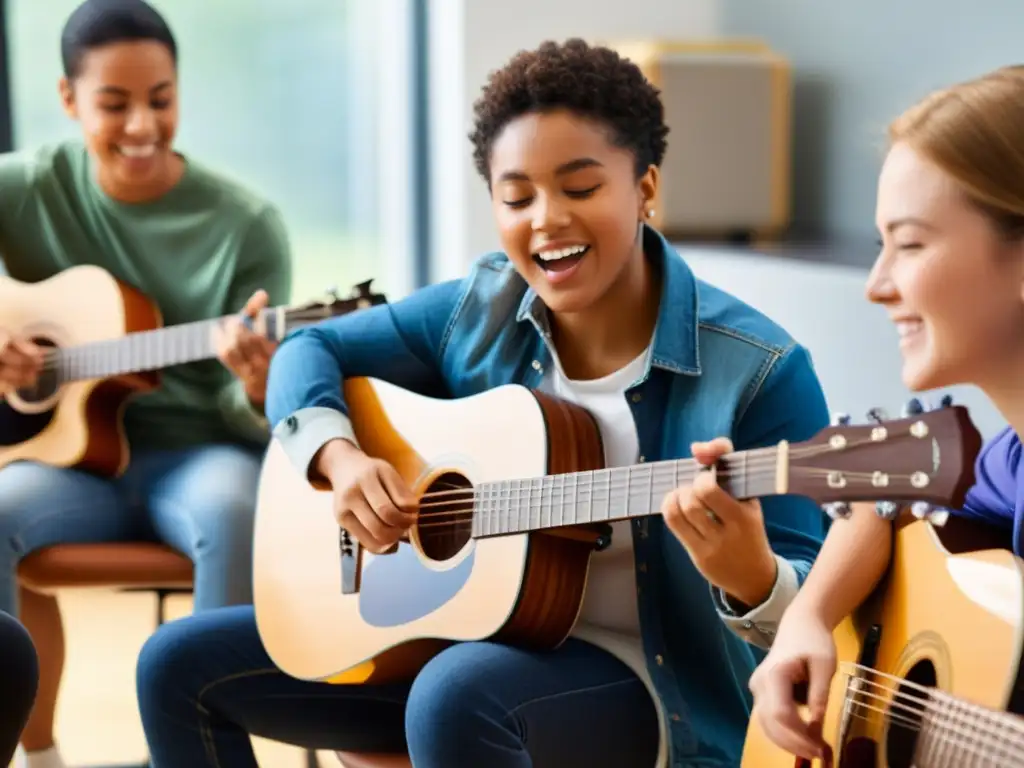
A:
x: 610, y: 599
x: 609, y: 617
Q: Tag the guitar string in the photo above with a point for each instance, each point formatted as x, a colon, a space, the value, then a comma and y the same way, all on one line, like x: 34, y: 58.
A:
x: 756, y: 459
x: 894, y: 683
x: 100, y: 347
x: 928, y: 715
x: 935, y: 693
x: 465, y: 515
x: 944, y: 735
x: 464, y: 495
x: 941, y: 733
x: 938, y: 734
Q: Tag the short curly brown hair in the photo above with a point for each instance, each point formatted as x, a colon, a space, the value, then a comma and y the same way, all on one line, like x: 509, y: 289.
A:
x: 592, y: 81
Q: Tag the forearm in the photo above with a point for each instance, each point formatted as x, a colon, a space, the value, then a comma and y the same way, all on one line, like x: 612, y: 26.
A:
x: 852, y: 560
x: 398, y: 343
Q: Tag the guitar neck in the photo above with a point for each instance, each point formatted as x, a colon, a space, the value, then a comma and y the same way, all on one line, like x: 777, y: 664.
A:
x: 620, y: 493
x: 153, y: 350
x: 958, y: 732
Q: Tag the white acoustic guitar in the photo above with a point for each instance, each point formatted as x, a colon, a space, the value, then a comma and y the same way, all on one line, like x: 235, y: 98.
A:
x: 513, y: 500
x: 105, y: 343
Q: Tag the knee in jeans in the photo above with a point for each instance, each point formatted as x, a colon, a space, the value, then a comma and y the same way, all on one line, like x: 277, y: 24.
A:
x: 167, y: 665
x: 451, y: 699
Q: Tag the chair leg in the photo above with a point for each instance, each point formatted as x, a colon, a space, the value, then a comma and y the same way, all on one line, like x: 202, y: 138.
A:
x: 311, y: 759
x: 161, y: 606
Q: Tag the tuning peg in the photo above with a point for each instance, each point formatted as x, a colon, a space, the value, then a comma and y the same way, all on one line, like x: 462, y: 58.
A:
x: 913, y: 407
x: 877, y: 414
x: 946, y: 401
x: 938, y: 517
x: 840, y: 419
x: 921, y: 509
x: 887, y: 510
x: 837, y: 510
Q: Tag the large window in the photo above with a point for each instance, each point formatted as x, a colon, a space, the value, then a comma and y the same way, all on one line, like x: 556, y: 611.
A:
x: 316, y: 104
x: 310, y: 102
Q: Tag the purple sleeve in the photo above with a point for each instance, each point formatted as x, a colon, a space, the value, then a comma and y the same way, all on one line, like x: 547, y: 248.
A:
x: 993, y: 498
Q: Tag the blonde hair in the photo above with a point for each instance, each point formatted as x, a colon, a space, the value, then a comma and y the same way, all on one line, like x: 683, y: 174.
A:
x: 972, y: 131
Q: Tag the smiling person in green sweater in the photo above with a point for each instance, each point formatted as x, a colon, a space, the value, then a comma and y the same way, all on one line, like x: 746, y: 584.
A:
x: 197, y: 244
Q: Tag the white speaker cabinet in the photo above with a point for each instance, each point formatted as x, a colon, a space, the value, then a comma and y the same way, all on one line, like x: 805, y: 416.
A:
x: 728, y: 107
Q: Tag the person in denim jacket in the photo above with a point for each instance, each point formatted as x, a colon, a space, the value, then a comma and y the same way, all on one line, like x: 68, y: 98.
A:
x: 587, y: 302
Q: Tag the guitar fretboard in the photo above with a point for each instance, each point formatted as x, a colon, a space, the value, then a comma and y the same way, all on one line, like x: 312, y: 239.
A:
x: 954, y: 732
x: 606, y: 495
x: 147, y: 350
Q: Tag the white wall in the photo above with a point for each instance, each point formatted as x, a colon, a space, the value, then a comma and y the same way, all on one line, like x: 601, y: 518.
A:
x: 853, y: 345
x: 852, y: 342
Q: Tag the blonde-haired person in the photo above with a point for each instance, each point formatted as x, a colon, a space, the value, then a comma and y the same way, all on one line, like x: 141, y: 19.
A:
x: 950, y: 274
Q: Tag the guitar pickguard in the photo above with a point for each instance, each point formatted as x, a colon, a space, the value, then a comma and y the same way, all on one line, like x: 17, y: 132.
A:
x: 404, y: 589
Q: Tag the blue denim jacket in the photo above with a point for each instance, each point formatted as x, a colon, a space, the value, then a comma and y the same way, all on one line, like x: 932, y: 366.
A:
x: 718, y: 367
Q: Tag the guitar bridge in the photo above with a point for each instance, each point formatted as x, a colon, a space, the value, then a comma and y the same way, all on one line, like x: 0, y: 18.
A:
x: 351, y: 555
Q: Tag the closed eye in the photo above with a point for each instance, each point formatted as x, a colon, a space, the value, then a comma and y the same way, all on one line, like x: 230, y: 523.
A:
x: 580, y: 194
x: 518, y: 203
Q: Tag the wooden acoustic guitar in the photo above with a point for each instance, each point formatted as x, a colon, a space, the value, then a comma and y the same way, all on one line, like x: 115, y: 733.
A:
x: 930, y: 668
x: 513, y: 500
x: 104, y: 343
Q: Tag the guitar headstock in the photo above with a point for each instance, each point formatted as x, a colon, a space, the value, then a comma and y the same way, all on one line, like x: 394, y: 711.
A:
x: 925, y: 457
x: 333, y: 305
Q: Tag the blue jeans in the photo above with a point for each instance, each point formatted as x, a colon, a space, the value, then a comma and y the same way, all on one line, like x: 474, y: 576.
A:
x: 200, y: 500
x: 205, y: 683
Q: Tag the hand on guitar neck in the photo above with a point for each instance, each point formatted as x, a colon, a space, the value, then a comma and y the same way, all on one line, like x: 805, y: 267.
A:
x: 245, y: 353
x: 371, y: 500
x: 713, y: 526
x: 21, y: 362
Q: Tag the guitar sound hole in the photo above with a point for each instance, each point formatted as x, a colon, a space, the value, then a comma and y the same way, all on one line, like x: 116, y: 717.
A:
x: 47, y: 384
x: 905, y: 715
x: 445, y: 521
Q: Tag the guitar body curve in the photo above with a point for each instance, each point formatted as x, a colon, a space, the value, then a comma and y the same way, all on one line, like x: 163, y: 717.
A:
x: 948, y: 615
x: 439, y: 587
x: 77, y: 424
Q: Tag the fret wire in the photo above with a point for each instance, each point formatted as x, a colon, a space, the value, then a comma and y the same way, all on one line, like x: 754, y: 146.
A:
x: 503, y: 504
x: 494, y: 506
x: 542, y: 489
x: 626, y: 504
x: 968, y: 744
x: 608, y: 497
x: 945, y: 745
x: 540, y: 481
x: 518, y: 516
x: 1003, y: 730
x: 964, y: 715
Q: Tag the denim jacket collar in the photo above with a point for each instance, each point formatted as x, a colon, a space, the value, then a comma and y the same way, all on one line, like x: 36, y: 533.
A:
x: 676, y: 330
